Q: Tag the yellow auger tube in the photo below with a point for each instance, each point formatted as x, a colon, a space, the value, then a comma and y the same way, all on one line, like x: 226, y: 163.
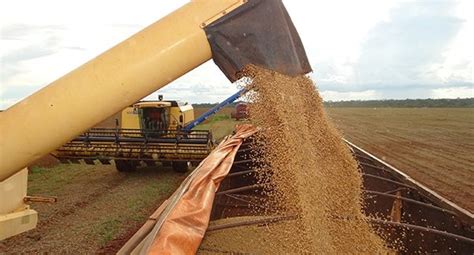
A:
x: 105, y: 85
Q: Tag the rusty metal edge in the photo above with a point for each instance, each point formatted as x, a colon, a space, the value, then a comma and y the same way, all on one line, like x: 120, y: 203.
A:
x: 425, y: 191
x: 276, y: 219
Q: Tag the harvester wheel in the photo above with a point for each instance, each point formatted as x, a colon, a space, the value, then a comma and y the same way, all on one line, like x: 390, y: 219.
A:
x: 181, y: 166
x: 125, y: 166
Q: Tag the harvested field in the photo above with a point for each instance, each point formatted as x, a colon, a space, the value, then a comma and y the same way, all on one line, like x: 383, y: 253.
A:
x: 98, y: 208
x: 221, y: 124
x: 433, y: 145
x: 224, y: 111
x: 47, y: 161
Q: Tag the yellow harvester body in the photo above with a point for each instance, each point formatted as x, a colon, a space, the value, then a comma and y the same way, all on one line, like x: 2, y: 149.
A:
x: 156, y: 115
x: 146, y: 132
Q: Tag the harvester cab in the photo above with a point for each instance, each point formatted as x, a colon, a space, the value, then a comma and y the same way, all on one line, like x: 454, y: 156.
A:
x: 156, y: 115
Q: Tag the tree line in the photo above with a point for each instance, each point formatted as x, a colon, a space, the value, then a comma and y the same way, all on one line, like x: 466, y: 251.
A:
x: 406, y: 103
x: 395, y: 103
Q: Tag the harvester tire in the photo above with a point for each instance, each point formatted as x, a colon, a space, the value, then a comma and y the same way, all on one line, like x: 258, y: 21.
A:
x: 181, y: 166
x: 125, y: 166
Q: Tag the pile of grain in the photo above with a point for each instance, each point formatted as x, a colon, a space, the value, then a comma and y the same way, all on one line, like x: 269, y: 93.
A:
x: 252, y: 239
x: 314, y: 175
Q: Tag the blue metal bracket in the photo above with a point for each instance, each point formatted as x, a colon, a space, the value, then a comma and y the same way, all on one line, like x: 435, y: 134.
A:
x: 213, y: 110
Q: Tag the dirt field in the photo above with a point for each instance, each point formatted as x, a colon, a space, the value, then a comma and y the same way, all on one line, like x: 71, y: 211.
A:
x: 220, y: 124
x: 433, y: 145
x: 200, y: 110
x: 98, y: 208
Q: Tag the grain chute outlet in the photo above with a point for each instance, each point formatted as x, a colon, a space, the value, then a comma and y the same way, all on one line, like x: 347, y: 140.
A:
x: 146, y: 133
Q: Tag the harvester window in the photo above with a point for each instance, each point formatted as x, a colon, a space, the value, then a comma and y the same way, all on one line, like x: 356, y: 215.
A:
x: 155, y: 118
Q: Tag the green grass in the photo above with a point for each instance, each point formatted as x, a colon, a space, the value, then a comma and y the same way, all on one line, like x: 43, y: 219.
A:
x: 212, y: 120
x: 219, y: 117
x: 107, y: 230
x: 221, y: 125
x: 96, y: 205
x: 48, y: 180
x: 147, y: 193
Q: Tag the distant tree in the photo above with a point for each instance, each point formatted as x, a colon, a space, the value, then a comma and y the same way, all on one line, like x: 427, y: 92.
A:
x: 406, y: 103
x: 209, y: 105
x: 402, y: 103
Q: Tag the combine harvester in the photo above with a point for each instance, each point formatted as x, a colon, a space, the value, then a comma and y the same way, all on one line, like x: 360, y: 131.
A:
x: 149, y: 132
x: 234, y: 33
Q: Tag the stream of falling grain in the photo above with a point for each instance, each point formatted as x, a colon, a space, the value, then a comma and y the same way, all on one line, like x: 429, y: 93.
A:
x: 314, y: 175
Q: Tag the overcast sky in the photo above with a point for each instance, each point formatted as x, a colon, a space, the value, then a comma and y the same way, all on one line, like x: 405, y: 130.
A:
x: 358, y: 49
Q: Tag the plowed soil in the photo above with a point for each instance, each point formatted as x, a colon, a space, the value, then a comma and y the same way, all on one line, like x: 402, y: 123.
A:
x: 435, y: 146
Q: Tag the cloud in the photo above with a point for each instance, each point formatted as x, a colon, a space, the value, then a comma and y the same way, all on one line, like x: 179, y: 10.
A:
x: 329, y: 95
x: 408, y: 50
x: 204, y: 84
x: 18, y: 31
x: 401, y: 51
x: 457, y: 92
x: 363, y: 50
x: 30, y: 52
x: 22, y: 46
x: 5, y: 103
x: 465, y: 90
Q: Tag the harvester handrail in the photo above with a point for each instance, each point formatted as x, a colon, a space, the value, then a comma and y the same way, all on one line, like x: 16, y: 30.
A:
x: 144, y: 136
